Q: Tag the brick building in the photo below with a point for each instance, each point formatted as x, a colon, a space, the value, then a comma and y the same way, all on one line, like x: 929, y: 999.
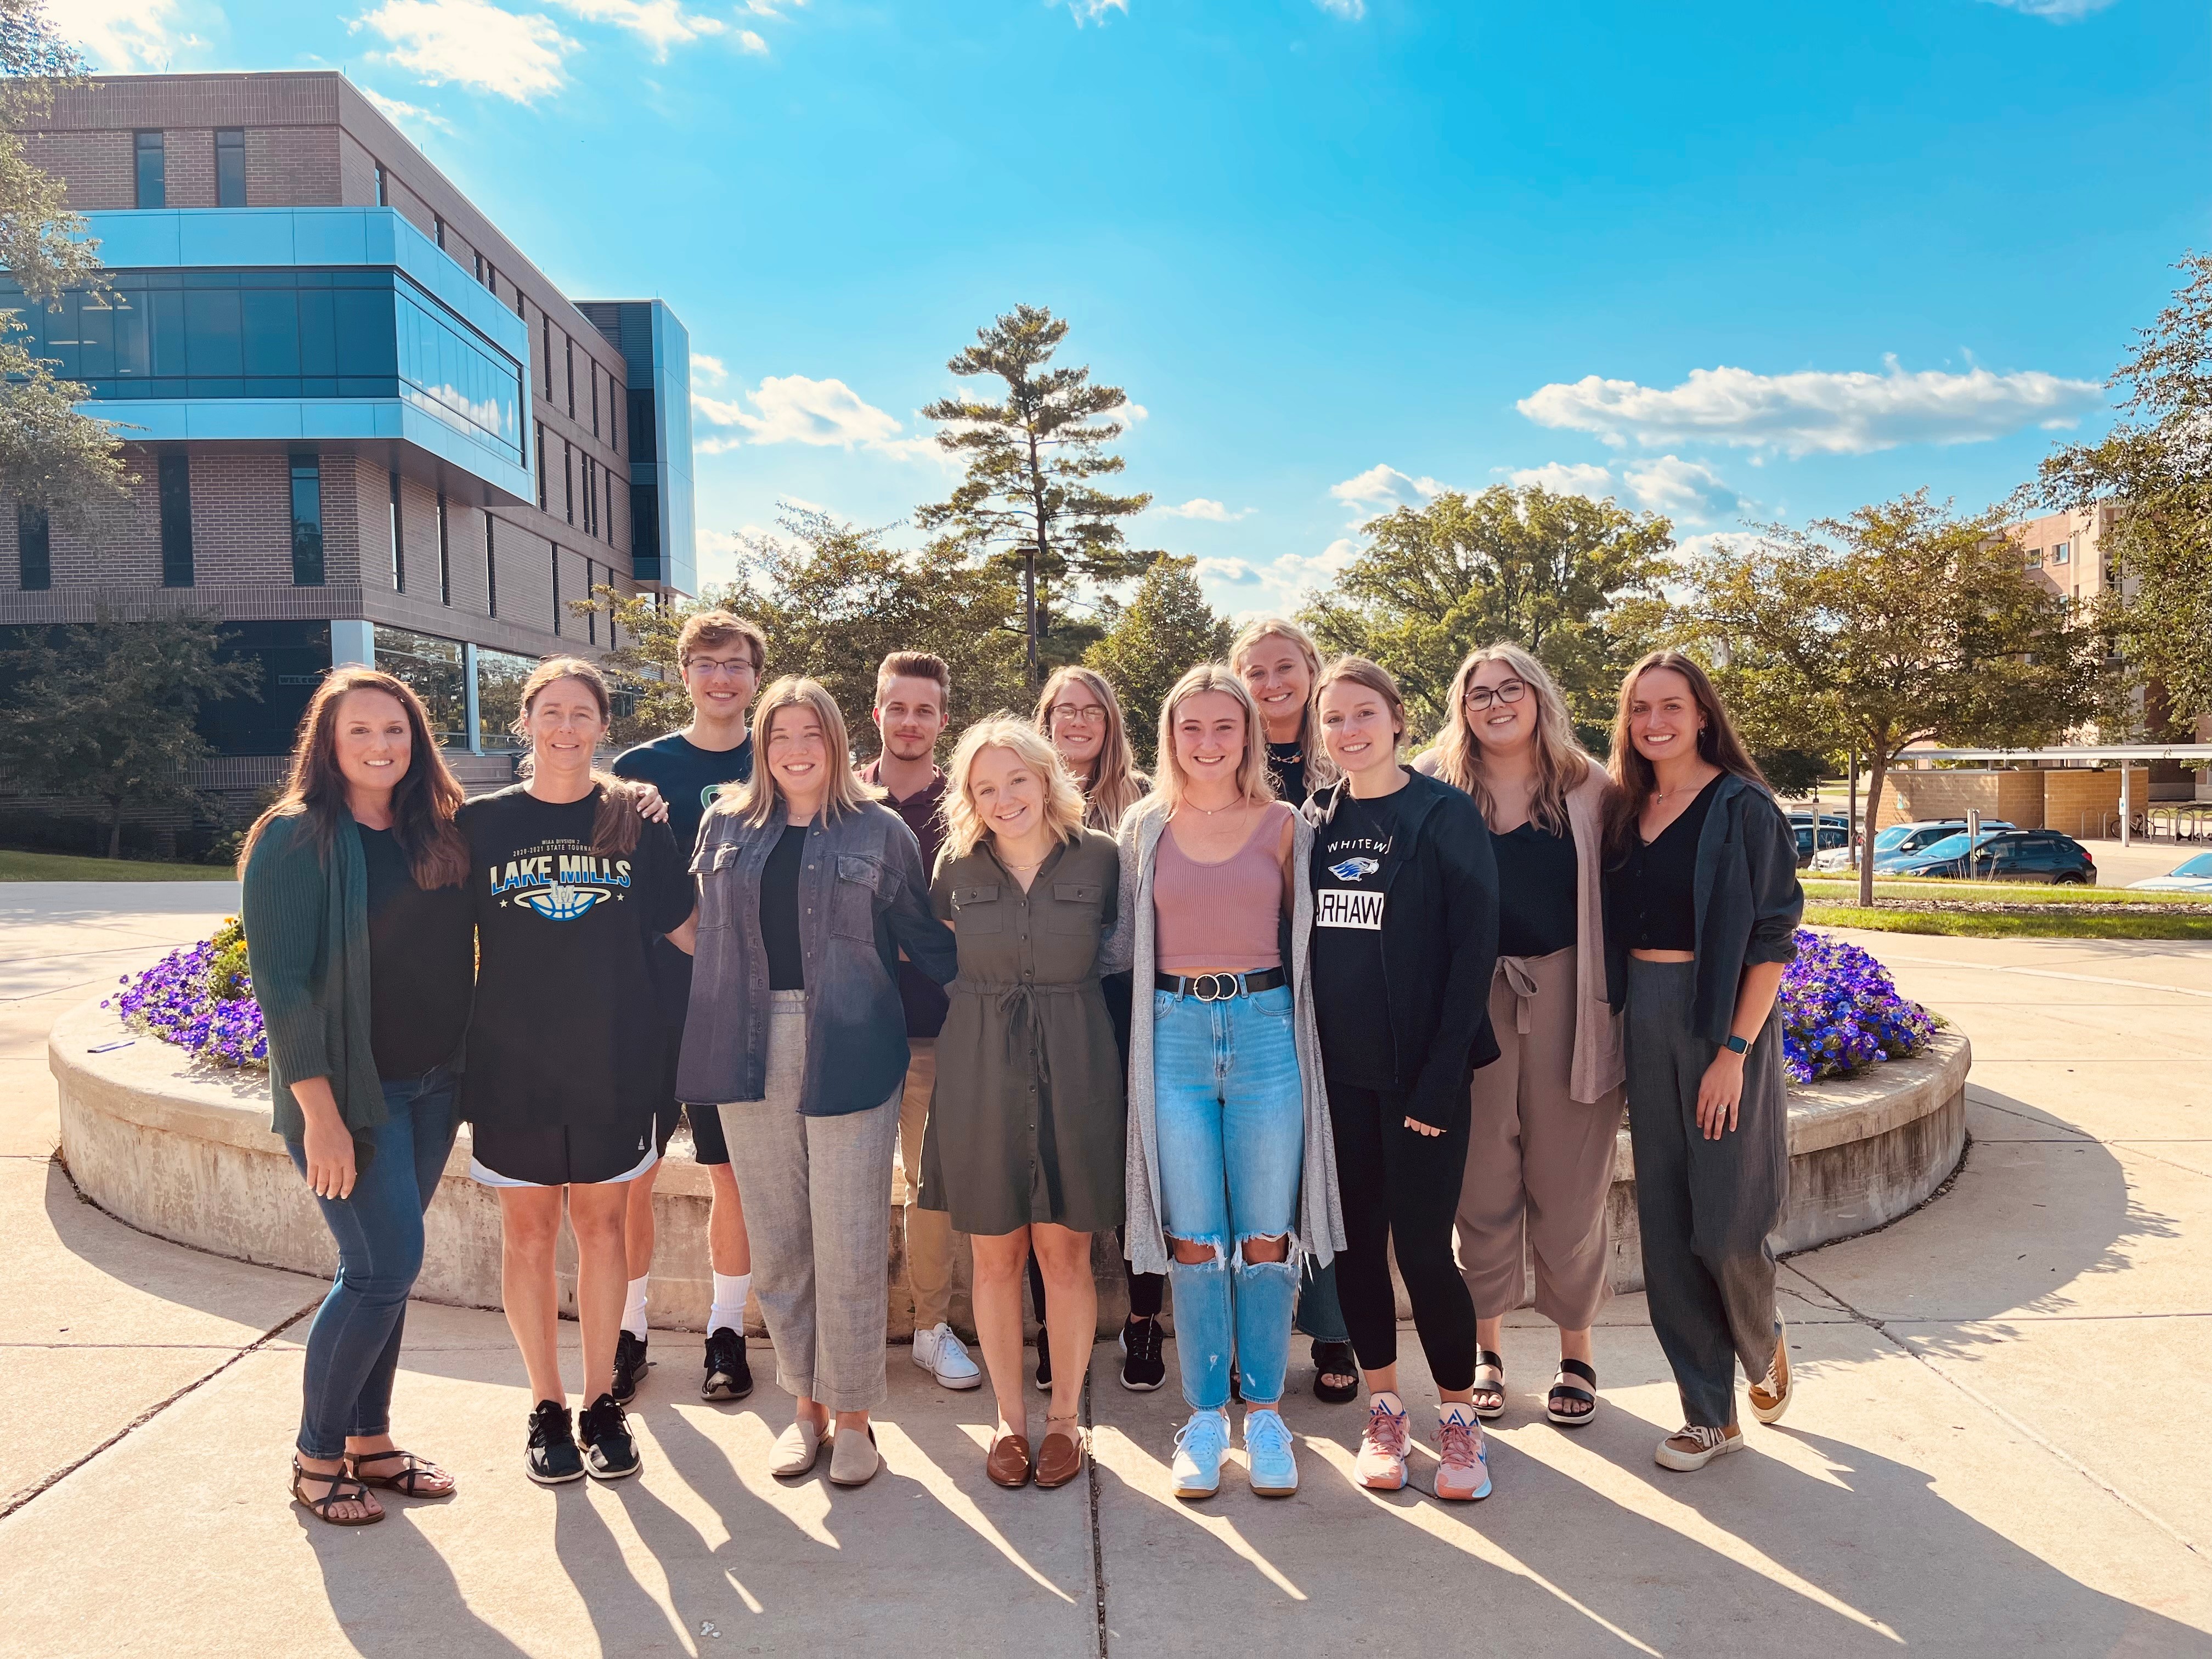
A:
x: 363, y: 426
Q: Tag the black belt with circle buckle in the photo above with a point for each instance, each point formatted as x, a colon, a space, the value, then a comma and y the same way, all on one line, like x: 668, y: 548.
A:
x: 1219, y: 988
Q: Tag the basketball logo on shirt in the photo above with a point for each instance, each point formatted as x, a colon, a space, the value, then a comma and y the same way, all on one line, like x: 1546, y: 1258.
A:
x: 560, y: 880
x: 1338, y: 907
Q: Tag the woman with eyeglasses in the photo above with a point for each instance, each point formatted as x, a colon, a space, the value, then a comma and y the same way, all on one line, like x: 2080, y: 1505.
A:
x: 1546, y: 1114
x: 1079, y: 712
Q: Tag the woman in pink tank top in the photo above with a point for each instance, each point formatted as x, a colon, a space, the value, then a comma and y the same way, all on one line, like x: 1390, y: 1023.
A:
x: 1231, y: 1172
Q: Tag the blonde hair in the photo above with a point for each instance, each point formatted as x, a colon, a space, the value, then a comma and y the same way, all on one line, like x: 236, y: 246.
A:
x: 964, y: 828
x: 758, y: 801
x: 1253, y: 781
x: 1562, y: 762
x: 1320, y: 768
x: 1115, y: 785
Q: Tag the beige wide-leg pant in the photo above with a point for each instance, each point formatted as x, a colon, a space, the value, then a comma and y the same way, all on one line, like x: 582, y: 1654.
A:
x: 1539, y: 1162
x: 929, y: 1232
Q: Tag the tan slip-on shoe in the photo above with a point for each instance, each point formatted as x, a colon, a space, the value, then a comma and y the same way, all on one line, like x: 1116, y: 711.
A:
x: 1770, y: 1395
x: 1061, y: 1458
x: 1008, y: 1464
x: 854, y: 1459
x: 796, y: 1448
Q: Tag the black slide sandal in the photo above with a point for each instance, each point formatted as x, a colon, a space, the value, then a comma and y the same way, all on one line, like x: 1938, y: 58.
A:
x: 1492, y: 1407
x: 1565, y: 1391
x: 1334, y: 1359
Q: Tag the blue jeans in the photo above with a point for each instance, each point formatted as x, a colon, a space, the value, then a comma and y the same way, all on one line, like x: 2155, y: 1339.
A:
x: 1230, y: 1119
x: 353, y: 1347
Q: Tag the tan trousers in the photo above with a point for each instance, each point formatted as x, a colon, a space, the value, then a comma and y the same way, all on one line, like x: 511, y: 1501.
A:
x: 1539, y: 1162
x: 929, y: 1232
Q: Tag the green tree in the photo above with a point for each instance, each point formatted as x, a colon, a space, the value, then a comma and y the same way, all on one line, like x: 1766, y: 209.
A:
x: 1575, y: 580
x: 1166, y: 628
x: 1028, y: 499
x: 833, y: 601
x: 106, y: 710
x: 2155, y: 466
x: 51, y: 456
x: 1902, y: 624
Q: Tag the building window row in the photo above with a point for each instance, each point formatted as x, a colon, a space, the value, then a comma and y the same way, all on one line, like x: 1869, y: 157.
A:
x: 307, y: 520
x: 150, y: 168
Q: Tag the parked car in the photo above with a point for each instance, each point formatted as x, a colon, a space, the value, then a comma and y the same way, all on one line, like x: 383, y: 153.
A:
x: 1903, y: 838
x: 2035, y: 855
x: 1826, y: 831
x: 2192, y: 875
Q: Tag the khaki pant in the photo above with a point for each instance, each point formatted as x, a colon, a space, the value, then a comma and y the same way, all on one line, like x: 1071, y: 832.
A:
x: 929, y: 1232
x: 1539, y: 1162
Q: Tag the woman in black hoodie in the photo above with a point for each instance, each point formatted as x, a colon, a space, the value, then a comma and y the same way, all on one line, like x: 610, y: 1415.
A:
x: 1405, y: 941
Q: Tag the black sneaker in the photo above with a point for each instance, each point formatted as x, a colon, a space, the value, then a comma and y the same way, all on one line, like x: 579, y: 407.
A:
x: 729, y: 1376
x: 1044, y: 1361
x: 553, y: 1457
x: 1143, y: 1370
x: 612, y: 1448
x: 629, y: 1367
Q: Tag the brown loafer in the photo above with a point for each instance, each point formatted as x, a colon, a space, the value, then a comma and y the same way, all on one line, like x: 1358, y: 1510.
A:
x: 1061, y: 1459
x: 1008, y: 1465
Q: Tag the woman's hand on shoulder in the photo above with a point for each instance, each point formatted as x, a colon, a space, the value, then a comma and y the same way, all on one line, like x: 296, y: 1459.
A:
x: 647, y: 799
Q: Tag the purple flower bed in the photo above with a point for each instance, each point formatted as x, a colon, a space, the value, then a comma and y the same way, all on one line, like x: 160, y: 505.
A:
x: 1841, y: 1012
x: 201, y: 1000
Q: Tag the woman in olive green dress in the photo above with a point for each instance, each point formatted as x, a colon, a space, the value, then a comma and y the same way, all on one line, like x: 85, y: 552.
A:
x: 1026, y: 1136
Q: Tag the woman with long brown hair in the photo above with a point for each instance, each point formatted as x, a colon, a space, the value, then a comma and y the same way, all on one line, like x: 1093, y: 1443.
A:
x: 1546, y: 1113
x: 1702, y: 904
x: 359, y: 939
x: 566, y: 1048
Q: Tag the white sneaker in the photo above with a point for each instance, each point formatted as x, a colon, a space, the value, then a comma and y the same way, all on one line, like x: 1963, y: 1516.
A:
x: 1200, y: 1444
x: 943, y: 1355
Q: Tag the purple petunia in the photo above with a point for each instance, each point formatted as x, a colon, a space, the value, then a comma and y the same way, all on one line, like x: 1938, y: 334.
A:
x: 1841, y: 1012
x: 201, y: 998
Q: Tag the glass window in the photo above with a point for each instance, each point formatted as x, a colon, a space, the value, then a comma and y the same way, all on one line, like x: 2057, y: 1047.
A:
x: 34, y: 547
x: 556, y: 590
x: 153, y: 170
x: 499, y: 674
x: 382, y: 186
x: 567, y: 481
x: 445, y: 556
x: 230, y: 166
x: 541, y: 466
x: 569, y: 351
x: 2061, y: 553
x: 491, y: 571
x: 399, y: 544
x: 176, y: 489
x: 440, y: 225
x: 432, y: 668
x: 306, y: 522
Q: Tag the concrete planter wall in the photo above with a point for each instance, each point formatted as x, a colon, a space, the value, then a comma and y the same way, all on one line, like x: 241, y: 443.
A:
x: 185, y: 1153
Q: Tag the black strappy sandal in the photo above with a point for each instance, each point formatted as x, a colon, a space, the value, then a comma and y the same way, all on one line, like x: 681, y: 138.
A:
x: 1490, y: 1397
x: 404, y: 1482
x: 343, y: 1489
x: 1566, y: 1391
x: 1334, y: 1359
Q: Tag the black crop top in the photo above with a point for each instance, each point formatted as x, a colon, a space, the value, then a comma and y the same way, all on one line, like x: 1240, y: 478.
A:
x: 1656, y: 885
x: 1537, y: 896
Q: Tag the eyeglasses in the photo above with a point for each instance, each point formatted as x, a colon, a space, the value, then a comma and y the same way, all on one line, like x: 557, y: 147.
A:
x: 1086, y: 713
x: 1481, y: 696
x: 709, y: 667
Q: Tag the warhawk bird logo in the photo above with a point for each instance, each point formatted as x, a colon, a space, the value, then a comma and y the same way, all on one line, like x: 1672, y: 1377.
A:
x: 561, y: 902
x: 1354, y: 869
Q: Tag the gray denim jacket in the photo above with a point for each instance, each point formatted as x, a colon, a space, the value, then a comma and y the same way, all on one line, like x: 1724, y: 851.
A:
x: 863, y: 897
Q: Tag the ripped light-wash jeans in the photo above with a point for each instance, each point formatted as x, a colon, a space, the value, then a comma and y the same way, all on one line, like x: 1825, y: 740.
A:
x: 1230, y: 1114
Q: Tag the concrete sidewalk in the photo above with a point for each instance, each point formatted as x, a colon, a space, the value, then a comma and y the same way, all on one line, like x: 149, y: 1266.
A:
x: 1969, y: 1468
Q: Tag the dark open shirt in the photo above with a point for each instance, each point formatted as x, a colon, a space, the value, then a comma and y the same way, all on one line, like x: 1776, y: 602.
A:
x: 1657, y: 881
x: 923, y: 812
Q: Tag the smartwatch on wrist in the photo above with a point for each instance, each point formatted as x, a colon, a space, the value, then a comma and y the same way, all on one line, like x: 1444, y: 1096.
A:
x: 1735, y: 1045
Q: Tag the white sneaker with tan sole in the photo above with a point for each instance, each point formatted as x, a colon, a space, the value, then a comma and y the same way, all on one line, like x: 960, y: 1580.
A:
x: 1695, y: 1446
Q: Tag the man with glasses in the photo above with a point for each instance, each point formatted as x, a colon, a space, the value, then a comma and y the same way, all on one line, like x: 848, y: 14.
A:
x: 720, y: 657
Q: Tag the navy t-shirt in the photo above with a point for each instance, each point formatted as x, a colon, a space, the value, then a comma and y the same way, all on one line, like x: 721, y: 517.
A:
x: 688, y: 777
x: 1353, y: 855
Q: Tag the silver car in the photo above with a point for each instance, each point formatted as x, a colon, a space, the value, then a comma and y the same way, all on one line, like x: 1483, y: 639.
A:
x: 2192, y: 875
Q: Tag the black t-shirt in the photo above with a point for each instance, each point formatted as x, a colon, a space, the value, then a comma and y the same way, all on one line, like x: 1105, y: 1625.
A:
x: 1655, y: 886
x: 568, y: 1028
x: 422, y: 963
x: 688, y: 777
x: 1538, y: 886
x: 778, y: 910
x: 1287, y: 761
x: 1351, y: 861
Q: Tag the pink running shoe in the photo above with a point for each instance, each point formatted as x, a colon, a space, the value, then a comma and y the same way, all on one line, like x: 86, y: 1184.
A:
x: 1382, y: 1462
x: 1464, y: 1465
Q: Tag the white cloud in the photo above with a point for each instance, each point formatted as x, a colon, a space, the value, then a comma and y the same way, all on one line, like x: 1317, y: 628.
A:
x: 1384, y: 486
x: 404, y: 114
x: 1228, y: 570
x: 1212, y: 511
x: 1813, y: 412
x: 1680, y: 489
x: 1293, y: 575
x: 659, y: 23
x: 798, y: 409
x: 708, y: 369
x: 119, y: 36
x: 2059, y: 11
x: 473, y: 43
x: 748, y: 41
x: 1350, y: 10
x: 1567, y: 478
x: 1090, y: 11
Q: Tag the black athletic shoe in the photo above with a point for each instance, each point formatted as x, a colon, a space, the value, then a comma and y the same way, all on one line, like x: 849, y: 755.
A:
x: 729, y: 1376
x: 629, y: 1367
x: 610, y: 1449
x: 1044, y: 1362
x: 1143, y: 1370
x: 553, y: 1457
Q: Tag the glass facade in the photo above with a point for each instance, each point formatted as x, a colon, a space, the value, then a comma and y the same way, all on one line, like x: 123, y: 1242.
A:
x: 151, y: 157
x: 293, y: 656
x: 307, y: 520
x: 499, y: 674
x: 34, y: 544
x: 230, y: 166
x: 432, y: 668
x: 287, y: 333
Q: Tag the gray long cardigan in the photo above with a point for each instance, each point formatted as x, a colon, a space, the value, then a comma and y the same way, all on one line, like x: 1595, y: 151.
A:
x: 1320, y: 1231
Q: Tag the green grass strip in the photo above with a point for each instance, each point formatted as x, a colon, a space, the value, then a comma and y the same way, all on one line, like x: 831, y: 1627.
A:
x: 2002, y: 892
x: 1972, y: 925
x: 64, y: 866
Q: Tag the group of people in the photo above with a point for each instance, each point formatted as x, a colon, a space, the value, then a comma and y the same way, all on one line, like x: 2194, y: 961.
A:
x: 1283, y: 1012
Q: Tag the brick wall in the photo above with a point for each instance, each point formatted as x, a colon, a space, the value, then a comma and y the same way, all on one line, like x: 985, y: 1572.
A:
x: 96, y: 166
x: 2077, y: 799
x: 297, y: 167
x: 188, y: 166
x: 356, y: 173
x: 2015, y: 796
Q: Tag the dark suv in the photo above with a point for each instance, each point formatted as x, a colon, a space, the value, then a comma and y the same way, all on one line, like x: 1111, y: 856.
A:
x: 2038, y: 855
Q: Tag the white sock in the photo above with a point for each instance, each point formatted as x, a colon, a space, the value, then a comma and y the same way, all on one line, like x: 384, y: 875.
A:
x: 633, y: 1309
x: 1388, y: 1401
x: 729, y: 1312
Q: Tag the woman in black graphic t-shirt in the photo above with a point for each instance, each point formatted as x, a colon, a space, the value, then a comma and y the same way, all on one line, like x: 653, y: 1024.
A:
x: 566, y: 1046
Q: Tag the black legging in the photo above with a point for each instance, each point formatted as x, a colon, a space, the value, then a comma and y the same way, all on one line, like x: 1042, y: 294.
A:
x: 1401, y: 1187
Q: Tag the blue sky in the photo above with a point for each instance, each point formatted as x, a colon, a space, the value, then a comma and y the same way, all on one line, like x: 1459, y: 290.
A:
x: 1727, y: 260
